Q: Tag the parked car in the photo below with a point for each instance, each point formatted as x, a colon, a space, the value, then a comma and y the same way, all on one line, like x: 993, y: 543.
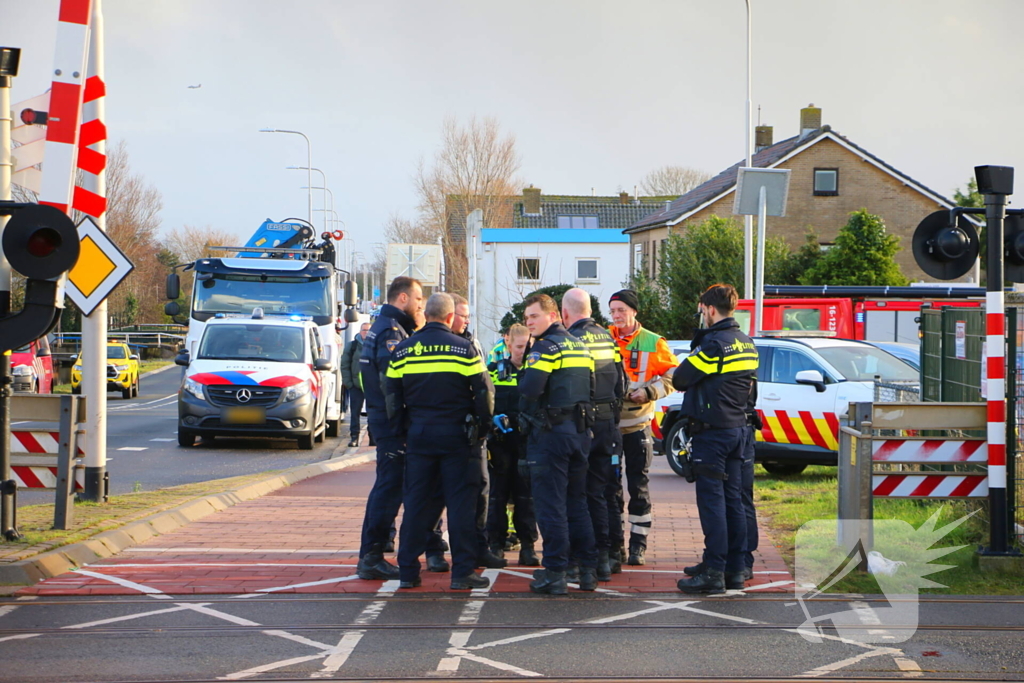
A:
x: 908, y: 353
x: 32, y: 367
x: 255, y: 377
x: 122, y: 371
x: 804, y: 385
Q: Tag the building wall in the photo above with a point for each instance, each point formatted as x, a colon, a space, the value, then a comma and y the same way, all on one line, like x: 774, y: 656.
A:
x: 500, y: 288
x: 861, y: 185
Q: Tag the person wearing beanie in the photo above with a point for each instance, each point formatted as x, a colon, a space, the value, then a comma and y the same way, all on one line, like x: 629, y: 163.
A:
x: 649, y: 364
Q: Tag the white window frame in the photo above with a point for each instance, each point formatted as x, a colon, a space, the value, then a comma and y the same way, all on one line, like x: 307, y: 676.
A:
x: 597, y: 268
x: 519, y: 260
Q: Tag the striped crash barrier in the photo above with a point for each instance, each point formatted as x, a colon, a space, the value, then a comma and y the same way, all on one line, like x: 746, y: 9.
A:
x: 34, y: 460
x: 929, y: 451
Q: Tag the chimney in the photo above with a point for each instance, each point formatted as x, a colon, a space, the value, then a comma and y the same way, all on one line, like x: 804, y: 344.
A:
x: 810, y: 120
x: 762, y: 137
x: 623, y: 198
x: 531, y: 201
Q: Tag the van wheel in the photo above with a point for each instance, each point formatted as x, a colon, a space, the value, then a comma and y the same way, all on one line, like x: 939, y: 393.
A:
x: 673, y: 445
x: 783, y: 469
x: 76, y: 390
x: 137, y: 384
x: 126, y: 392
x: 186, y: 439
x: 306, y: 442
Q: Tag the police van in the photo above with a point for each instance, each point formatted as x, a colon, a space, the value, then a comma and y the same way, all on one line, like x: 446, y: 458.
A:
x: 805, y: 384
x: 256, y: 376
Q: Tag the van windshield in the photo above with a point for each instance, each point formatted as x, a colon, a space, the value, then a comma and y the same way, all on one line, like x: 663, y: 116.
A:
x: 281, y: 295
x: 253, y: 341
x: 861, y: 363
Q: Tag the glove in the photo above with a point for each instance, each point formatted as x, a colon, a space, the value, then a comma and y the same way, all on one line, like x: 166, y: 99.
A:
x: 501, y: 424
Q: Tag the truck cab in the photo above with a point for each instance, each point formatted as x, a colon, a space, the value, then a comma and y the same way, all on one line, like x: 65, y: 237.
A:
x: 32, y: 367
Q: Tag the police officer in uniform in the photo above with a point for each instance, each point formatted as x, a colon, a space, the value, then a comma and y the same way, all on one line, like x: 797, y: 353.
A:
x: 438, y: 386
x: 556, y: 390
x: 507, y: 447
x: 395, y: 323
x: 609, y: 387
x: 719, y: 378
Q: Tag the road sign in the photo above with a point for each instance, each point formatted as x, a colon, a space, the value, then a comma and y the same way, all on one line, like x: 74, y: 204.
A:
x: 420, y: 261
x: 101, y: 267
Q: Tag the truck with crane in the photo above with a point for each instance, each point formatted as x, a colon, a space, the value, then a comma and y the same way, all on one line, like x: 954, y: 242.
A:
x: 282, y: 270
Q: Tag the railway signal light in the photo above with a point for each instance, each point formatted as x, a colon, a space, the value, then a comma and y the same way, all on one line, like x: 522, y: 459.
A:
x: 34, y: 117
x: 945, y: 251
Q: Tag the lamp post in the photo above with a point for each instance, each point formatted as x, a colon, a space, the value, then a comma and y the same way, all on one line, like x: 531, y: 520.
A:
x: 748, y: 220
x: 309, y: 165
x: 327, y: 191
x: 324, y: 188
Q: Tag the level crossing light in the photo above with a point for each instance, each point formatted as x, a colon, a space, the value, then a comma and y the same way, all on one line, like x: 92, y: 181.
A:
x: 761, y: 192
x: 309, y: 165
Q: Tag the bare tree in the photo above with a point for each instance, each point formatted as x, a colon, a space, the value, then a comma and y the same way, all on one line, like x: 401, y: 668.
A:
x: 669, y: 181
x: 474, y: 168
x: 191, y: 242
x: 398, y: 230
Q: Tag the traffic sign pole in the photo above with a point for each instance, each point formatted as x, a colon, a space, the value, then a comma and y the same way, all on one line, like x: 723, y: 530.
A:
x: 8, y: 526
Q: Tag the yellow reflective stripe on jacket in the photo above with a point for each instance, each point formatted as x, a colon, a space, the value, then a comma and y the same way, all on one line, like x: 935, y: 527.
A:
x: 440, y: 363
x: 510, y: 382
x: 732, y: 362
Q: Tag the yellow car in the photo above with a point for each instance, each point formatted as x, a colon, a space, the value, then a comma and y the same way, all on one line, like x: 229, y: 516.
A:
x: 122, y: 371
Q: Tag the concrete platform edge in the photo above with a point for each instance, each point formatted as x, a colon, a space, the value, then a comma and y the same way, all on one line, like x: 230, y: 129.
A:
x: 102, y: 545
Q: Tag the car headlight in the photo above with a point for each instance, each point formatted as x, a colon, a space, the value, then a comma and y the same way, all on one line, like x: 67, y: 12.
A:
x: 297, y: 391
x: 122, y: 368
x: 22, y: 370
x: 195, y: 388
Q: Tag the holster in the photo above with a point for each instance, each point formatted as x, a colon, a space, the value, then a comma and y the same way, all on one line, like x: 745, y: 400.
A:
x: 472, y: 427
x: 606, y: 411
x: 755, y: 421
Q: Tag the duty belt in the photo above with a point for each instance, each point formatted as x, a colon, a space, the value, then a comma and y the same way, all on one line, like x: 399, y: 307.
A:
x: 607, y: 411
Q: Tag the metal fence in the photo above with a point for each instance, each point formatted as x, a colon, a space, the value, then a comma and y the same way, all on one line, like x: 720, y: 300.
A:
x: 1014, y: 420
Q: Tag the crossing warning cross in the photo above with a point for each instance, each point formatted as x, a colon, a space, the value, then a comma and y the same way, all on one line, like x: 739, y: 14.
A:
x: 101, y: 267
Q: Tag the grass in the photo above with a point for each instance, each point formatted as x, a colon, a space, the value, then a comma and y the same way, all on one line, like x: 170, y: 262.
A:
x: 35, y: 521
x: 784, y: 504
x: 144, y: 367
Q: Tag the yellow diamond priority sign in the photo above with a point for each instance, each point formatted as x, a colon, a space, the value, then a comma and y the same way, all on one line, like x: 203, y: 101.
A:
x: 101, y: 267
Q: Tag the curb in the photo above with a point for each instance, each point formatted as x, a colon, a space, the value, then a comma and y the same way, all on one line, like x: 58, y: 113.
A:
x: 158, y: 370
x: 108, y: 543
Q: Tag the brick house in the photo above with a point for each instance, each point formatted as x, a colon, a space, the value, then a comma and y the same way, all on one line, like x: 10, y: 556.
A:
x: 831, y: 177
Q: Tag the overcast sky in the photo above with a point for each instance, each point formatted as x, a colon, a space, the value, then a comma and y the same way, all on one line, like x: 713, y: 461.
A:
x: 597, y: 93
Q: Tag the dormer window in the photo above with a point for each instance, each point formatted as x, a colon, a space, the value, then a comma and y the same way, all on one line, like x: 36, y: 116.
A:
x: 577, y: 222
x: 826, y: 182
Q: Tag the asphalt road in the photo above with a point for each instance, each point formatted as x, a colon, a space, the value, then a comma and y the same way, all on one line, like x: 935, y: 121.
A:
x: 143, y: 452
x: 293, y: 637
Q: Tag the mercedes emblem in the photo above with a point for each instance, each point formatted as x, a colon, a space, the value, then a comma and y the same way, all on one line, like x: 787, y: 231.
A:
x: 243, y: 395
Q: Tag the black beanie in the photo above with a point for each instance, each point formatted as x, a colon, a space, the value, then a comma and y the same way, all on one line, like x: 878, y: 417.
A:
x: 628, y: 297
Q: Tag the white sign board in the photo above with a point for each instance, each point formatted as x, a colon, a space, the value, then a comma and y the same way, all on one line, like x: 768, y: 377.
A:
x: 960, y: 340
x: 420, y: 261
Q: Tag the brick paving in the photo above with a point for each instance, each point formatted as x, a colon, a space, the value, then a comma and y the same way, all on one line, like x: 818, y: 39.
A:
x: 305, y: 539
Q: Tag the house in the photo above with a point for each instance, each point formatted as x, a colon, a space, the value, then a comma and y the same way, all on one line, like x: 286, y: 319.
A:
x: 831, y: 177
x: 554, y: 239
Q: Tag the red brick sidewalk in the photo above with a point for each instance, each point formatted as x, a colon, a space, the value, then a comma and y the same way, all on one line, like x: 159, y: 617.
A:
x: 305, y: 539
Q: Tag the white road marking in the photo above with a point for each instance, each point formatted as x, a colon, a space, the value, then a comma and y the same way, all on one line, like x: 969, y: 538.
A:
x: 470, y: 615
x: 842, y: 664
x: 7, y: 609
x: 909, y: 667
x: 133, y: 448
x: 250, y: 551
x: 268, y: 667
x: 20, y: 636
x: 765, y: 586
x: 112, y: 620
x: 163, y: 439
x: 29, y: 597
x: 350, y: 639
x: 148, y: 590
x: 322, y: 582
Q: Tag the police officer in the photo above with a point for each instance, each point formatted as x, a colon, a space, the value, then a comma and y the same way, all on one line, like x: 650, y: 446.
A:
x: 507, y: 447
x: 718, y: 377
x: 609, y: 386
x: 437, y: 384
x: 556, y: 391
x: 395, y: 323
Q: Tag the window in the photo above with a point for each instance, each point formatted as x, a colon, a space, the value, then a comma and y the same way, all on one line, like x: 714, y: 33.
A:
x: 586, y: 269
x: 528, y: 269
x: 826, y: 182
x: 577, y: 222
x: 638, y: 257
x: 786, y: 363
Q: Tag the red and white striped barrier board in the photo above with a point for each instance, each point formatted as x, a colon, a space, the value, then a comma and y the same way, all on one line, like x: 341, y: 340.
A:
x: 40, y: 477
x: 928, y: 450
x: 37, y: 442
x: 929, y: 486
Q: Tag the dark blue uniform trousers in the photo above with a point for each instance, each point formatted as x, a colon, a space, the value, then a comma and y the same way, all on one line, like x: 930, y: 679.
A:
x: 607, y: 442
x: 748, y: 499
x: 386, y: 498
x: 558, y: 474
x: 437, y: 456
x: 355, y: 401
x: 723, y: 518
x: 506, y: 485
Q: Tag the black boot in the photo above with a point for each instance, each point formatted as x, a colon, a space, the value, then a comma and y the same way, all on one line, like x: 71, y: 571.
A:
x: 615, y: 561
x: 604, y: 566
x: 710, y: 582
x: 470, y: 582
x: 636, y: 555
x: 572, y: 572
x: 528, y: 556
x: 588, y: 579
x: 437, y: 563
x: 549, y: 582
x: 695, y: 569
x: 735, y: 580
x: 373, y: 566
x: 411, y: 583
x: 491, y: 560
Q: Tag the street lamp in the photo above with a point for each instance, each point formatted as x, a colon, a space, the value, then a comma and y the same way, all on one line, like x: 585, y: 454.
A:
x: 327, y: 191
x: 322, y: 175
x: 748, y: 221
x: 309, y: 164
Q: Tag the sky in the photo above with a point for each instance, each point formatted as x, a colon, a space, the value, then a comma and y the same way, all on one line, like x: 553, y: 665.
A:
x: 596, y: 93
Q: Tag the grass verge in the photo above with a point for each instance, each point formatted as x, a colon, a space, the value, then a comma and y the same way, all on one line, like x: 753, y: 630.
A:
x: 35, y: 521
x: 144, y: 367
x: 784, y: 504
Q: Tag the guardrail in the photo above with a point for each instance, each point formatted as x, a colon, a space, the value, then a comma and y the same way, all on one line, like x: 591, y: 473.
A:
x: 882, y: 454
x: 137, y: 340
x: 45, y: 459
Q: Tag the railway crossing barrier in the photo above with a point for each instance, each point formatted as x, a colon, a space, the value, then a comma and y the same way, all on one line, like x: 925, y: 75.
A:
x: 42, y: 458
x: 882, y: 454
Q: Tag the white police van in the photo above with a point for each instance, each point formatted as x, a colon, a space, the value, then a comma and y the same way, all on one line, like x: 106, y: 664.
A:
x: 256, y: 376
